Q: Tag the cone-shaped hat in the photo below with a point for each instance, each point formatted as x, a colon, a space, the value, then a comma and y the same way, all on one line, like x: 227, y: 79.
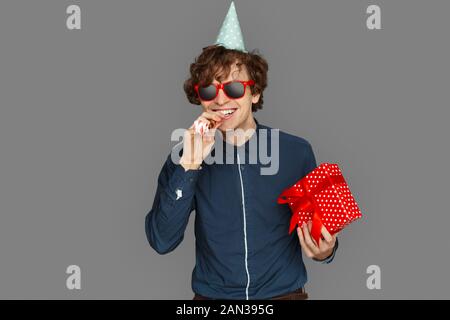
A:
x: 230, y: 35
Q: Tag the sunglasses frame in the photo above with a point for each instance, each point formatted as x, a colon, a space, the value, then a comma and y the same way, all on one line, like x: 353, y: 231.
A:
x: 221, y: 86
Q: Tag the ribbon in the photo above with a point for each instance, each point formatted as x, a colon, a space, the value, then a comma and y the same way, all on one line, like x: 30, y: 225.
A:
x: 304, y: 200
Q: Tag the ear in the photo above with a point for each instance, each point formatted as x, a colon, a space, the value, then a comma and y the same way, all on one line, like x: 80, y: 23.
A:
x: 255, y: 98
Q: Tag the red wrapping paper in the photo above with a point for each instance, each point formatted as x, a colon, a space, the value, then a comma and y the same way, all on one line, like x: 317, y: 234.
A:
x: 323, y: 197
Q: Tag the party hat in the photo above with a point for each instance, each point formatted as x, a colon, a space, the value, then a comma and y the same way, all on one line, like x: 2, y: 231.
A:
x: 230, y: 35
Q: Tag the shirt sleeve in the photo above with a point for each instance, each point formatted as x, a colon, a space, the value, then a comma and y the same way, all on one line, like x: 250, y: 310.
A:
x: 310, y: 166
x: 174, y: 201
x: 310, y: 160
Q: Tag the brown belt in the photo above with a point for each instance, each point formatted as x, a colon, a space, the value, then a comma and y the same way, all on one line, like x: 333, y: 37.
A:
x: 298, y: 294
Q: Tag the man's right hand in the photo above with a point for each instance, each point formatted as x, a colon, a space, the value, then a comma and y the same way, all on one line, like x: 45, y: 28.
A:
x: 196, y: 147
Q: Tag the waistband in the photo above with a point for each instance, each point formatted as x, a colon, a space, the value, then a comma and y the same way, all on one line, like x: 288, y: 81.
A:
x: 299, y: 294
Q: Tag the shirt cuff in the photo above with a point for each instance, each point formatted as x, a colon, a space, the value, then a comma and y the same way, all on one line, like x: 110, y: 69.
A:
x: 183, y: 182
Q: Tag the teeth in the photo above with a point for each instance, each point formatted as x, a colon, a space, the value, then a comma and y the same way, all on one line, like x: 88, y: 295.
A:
x: 225, y: 112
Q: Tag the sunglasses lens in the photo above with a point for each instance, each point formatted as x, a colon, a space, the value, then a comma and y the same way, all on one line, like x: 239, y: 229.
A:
x: 207, y: 93
x: 234, y: 89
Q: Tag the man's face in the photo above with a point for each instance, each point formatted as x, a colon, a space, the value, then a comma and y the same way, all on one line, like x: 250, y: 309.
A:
x: 242, y: 116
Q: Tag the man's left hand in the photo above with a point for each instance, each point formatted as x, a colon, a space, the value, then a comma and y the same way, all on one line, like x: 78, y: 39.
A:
x: 309, y: 245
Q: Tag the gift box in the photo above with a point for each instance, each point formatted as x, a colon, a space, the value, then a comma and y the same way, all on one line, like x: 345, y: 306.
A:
x: 323, y: 197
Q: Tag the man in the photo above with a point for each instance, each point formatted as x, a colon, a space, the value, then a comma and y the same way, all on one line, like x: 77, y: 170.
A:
x: 243, y: 249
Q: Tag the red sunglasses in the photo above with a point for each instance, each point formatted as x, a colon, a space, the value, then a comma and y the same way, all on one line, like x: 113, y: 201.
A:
x: 232, y: 89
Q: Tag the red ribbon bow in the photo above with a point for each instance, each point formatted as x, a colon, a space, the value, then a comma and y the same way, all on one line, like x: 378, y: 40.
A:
x: 303, y: 200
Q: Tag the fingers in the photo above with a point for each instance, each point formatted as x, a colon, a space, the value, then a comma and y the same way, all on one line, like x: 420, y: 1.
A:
x: 210, y: 115
x: 209, y: 135
x: 330, y: 240
x: 198, y: 146
x: 309, y: 229
x: 200, y: 136
x: 311, y: 244
x: 305, y: 248
x: 217, y: 124
x: 209, y: 123
x: 205, y: 122
x: 309, y: 239
x: 326, y: 235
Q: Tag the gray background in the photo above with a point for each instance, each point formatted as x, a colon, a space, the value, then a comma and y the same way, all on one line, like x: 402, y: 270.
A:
x: 86, y: 117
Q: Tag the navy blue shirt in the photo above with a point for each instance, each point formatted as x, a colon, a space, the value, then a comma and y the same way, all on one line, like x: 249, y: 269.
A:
x: 243, y: 249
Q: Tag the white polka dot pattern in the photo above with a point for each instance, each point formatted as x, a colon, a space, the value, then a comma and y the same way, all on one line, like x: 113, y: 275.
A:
x: 230, y: 35
x: 328, y: 190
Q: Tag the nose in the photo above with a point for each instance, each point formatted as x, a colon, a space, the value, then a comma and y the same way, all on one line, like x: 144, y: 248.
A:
x: 221, y: 97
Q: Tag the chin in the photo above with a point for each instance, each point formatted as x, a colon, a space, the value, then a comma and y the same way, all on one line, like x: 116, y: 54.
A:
x: 229, y: 126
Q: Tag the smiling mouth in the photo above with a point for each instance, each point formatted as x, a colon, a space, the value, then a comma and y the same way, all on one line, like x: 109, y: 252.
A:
x: 225, y: 112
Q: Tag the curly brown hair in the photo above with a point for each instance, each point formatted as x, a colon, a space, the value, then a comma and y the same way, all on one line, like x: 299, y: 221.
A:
x: 216, y: 60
